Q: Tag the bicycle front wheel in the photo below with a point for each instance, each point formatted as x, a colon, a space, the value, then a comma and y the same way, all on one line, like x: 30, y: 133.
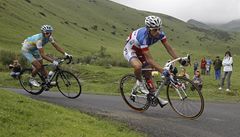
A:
x: 24, y: 77
x: 68, y: 84
x: 185, y: 98
x: 132, y: 95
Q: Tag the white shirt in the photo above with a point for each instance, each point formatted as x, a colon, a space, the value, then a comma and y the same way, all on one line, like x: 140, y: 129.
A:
x: 227, y: 63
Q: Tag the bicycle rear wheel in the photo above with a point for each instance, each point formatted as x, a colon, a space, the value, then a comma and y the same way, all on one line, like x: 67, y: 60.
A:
x: 24, y: 77
x: 132, y: 95
x: 68, y: 84
x: 185, y: 98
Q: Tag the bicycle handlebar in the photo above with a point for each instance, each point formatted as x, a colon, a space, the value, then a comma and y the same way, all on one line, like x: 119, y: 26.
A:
x: 170, y: 63
x: 65, y: 58
x: 61, y: 60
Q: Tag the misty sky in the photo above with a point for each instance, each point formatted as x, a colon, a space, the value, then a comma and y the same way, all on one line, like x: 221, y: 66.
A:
x: 209, y: 11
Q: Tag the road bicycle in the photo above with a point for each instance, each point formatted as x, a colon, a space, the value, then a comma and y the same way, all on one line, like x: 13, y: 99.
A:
x: 66, y: 82
x: 183, y: 95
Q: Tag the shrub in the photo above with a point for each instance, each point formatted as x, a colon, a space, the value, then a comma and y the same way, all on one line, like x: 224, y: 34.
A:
x: 7, y: 58
x: 95, y: 27
x: 101, y: 58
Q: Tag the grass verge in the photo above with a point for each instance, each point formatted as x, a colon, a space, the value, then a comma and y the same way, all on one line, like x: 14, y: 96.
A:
x: 24, y: 117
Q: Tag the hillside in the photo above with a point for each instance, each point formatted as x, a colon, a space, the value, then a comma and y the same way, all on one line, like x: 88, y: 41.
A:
x: 232, y: 26
x: 198, y: 24
x: 83, y: 26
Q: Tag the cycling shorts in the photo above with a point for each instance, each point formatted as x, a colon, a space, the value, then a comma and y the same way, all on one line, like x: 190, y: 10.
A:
x: 31, y: 55
x: 130, y: 53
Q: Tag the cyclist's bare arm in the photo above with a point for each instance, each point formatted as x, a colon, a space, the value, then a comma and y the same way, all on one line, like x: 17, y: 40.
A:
x: 44, y: 56
x: 170, y: 50
x: 151, y: 62
x: 58, y: 48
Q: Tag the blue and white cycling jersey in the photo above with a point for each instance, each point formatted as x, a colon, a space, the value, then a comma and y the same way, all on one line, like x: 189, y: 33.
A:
x: 31, y: 45
x: 35, y: 42
x: 139, y: 41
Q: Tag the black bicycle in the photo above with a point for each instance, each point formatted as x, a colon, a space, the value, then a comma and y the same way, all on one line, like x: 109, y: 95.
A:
x: 183, y: 95
x: 66, y: 82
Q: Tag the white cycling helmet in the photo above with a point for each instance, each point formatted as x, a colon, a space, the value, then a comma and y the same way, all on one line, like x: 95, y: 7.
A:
x: 46, y: 28
x: 153, y: 22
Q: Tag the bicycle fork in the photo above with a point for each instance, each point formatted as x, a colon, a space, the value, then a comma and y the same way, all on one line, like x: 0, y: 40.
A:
x: 179, y: 88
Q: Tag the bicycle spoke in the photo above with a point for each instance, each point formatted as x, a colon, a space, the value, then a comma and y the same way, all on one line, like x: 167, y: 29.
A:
x: 68, y: 84
x: 186, y: 102
x: 131, y: 94
x: 24, y: 82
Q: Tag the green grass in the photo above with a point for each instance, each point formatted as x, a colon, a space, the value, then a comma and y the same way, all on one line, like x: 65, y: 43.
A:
x: 20, y: 19
x: 104, y: 80
x: 24, y: 117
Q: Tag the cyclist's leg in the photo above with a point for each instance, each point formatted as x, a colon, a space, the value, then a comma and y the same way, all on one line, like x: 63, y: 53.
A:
x: 137, y: 66
x: 38, y: 67
x: 149, y: 79
x: 38, y: 64
x: 131, y: 57
x: 30, y: 57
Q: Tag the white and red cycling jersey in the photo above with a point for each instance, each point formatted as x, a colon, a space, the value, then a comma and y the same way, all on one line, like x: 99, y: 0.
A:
x: 139, y: 41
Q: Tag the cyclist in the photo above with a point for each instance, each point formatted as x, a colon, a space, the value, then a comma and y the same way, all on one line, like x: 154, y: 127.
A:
x: 32, y: 49
x: 136, y: 51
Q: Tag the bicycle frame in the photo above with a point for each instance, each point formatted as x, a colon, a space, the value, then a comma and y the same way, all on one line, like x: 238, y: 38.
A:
x: 168, y: 66
x: 183, y: 95
x: 56, y: 71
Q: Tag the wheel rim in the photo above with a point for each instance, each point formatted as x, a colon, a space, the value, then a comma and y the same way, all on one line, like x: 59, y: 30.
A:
x: 131, y: 95
x: 190, y: 106
x: 68, y: 84
x: 24, y: 81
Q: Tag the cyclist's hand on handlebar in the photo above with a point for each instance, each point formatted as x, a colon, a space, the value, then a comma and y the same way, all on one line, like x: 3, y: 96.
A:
x: 166, y: 73
x: 184, y: 61
x: 68, y: 55
x: 55, y: 63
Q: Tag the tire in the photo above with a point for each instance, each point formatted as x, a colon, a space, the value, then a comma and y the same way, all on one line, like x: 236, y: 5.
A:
x: 137, y: 100
x: 68, y: 84
x: 192, y: 104
x: 24, y: 82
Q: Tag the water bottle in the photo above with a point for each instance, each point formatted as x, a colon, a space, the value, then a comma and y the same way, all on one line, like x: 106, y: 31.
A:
x: 150, y: 85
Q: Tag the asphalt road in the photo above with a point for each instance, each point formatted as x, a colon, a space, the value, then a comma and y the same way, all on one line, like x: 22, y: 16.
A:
x: 217, y: 120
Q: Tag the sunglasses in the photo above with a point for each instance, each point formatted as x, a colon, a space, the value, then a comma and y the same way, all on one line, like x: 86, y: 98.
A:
x: 48, y: 33
x: 155, y: 29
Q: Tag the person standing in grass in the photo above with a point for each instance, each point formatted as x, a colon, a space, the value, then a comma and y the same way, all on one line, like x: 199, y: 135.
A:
x: 203, y: 66
x: 227, y: 70
x: 217, y: 63
x: 208, y: 65
x: 195, y: 66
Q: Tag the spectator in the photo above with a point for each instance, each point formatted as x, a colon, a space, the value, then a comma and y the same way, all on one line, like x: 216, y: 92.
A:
x: 217, y: 63
x: 208, y: 65
x: 197, y: 80
x: 16, y: 68
x: 203, y: 66
x: 183, y: 73
x: 195, y: 66
x: 227, y: 70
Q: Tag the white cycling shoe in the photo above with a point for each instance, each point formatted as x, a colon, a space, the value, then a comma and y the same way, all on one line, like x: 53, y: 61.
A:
x: 162, y: 101
x: 34, y: 82
x: 142, y: 87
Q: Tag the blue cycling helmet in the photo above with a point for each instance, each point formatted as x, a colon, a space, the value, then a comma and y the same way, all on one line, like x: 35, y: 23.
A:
x: 46, y: 28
